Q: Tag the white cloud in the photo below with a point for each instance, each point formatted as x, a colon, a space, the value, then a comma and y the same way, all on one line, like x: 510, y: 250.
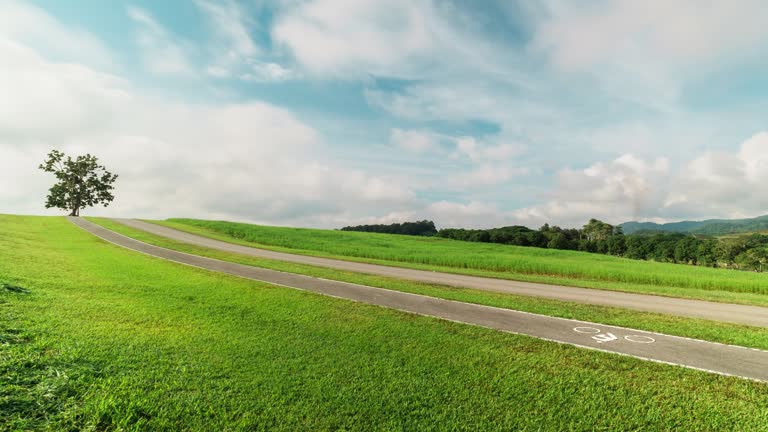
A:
x: 249, y: 161
x: 644, y: 52
x: 415, y: 141
x: 477, y: 151
x: 161, y: 54
x: 255, y: 161
x: 472, y: 214
x: 232, y: 50
x: 440, y: 100
x: 31, y: 26
x: 217, y: 72
x: 52, y: 99
x: 623, y: 189
x: 489, y: 174
x: 267, y: 72
x: 723, y: 183
x: 713, y: 184
x: 754, y: 154
x: 333, y: 37
x: 580, y: 37
x: 447, y: 214
x: 230, y: 24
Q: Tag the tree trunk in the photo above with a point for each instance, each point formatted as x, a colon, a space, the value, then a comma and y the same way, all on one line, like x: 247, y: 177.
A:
x: 76, y: 209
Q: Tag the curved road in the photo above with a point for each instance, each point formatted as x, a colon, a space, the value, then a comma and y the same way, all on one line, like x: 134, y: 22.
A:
x: 725, y: 312
x: 696, y: 354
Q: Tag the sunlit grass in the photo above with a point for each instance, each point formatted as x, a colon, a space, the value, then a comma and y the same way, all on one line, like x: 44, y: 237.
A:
x: 115, y: 340
x: 510, y: 262
x: 755, y: 337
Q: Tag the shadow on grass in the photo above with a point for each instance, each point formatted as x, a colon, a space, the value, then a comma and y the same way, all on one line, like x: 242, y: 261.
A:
x: 40, y: 389
x: 13, y: 288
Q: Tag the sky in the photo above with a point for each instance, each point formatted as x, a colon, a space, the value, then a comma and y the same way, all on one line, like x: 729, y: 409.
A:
x: 327, y: 113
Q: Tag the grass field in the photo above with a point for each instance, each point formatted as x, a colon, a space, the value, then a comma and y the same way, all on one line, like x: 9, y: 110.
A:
x: 94, y: 337
x: 509, y: 262
x: 755, y: 337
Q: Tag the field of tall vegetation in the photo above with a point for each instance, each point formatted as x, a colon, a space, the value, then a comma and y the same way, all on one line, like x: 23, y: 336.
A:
x: 498, y: 260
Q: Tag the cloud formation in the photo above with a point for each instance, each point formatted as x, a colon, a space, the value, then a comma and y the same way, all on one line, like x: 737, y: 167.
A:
x: 713, y: 184
x: 368, y: 37
x: 328, y: 112
x: 247, y: 161
x: 161, y: 54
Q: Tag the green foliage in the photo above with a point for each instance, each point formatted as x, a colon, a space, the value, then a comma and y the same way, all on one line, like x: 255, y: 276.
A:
x: 599, y: 237
x: 496, y: 260
x: 81, y: 182
x: 714, y: 331
x: 712, y: 227
x: 420, y: 228
x: 163, y: 347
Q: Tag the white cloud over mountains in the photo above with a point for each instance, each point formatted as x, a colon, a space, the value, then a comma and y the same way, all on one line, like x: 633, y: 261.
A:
x: 713, y: 184
x: 584, y: 85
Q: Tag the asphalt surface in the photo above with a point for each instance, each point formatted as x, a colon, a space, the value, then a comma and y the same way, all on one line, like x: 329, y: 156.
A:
x: 725, y: 312
x: 708, y: 356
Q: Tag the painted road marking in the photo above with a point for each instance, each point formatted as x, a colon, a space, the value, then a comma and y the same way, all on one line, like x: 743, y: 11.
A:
x: 607, y: 337
x: 601, y: 337
x: 588, y: 330
x: 640, y: 339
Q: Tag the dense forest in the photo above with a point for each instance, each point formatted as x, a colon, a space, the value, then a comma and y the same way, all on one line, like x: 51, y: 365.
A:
x: 420, y: 228
x: 745, y: 252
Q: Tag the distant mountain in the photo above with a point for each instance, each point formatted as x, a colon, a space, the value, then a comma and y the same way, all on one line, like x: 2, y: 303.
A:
x: 708, y: 227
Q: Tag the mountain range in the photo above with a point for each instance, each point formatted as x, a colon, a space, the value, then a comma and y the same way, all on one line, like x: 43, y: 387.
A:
x: 713, y: 227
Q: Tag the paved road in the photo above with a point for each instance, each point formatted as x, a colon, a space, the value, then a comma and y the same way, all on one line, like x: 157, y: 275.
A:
x: 739, y: 314
x: 696, y: 354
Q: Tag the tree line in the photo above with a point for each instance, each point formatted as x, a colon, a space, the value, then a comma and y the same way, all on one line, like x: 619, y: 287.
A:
x: 420, y: 228
x: 747, y: 252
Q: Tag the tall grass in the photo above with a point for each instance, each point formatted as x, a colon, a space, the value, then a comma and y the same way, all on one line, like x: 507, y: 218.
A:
x: 454, y: 254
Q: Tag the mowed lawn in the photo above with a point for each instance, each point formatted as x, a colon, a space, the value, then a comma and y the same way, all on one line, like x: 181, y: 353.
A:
x: 96, y: 337
x: 495, y: 260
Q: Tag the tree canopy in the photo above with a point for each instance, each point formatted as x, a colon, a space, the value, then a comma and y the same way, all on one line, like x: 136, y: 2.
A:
x: 420, y: 228
x: 81, y: 182
x: 748, y: 252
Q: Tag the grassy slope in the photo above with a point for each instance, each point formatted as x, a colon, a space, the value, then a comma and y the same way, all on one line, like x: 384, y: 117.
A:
x: 756, y: 337
x: 110, y: 339
x: 493, y: 260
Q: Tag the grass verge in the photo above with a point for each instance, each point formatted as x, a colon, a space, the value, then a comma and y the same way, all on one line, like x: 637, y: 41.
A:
x: 497, y: 261
x: 147, y: 344
x: 115, y: 340
x: 755, y: 337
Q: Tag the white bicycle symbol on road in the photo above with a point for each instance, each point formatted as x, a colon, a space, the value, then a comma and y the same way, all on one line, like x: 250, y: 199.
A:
x: 601, y: 337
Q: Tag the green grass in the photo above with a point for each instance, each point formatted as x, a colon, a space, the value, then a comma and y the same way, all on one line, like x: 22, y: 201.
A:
x: 108, y: 339
x: 494, y: 260
x: 755, y: 337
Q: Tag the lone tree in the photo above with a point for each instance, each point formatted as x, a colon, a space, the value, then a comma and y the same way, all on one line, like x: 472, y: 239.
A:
x: 82, y: 182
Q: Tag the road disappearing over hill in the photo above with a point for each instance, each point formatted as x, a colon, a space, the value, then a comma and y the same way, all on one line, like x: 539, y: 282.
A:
x: 708, y: 356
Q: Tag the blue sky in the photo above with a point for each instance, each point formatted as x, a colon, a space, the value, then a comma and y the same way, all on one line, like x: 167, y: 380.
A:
x: 330, y: 112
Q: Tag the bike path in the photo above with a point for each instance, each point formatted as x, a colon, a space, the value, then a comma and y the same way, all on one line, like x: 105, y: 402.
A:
x: 691, y: 353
